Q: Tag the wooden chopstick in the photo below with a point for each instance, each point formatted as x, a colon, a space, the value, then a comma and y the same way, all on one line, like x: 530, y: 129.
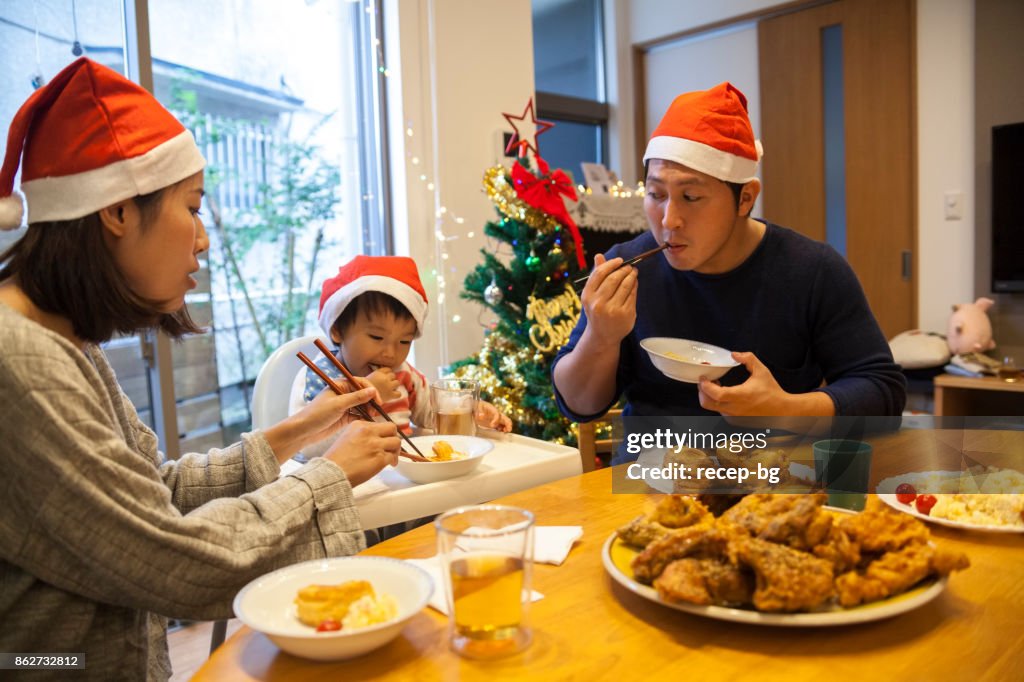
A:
x: 363, y: 412
x: 632, y: 261
x: 373, y: 403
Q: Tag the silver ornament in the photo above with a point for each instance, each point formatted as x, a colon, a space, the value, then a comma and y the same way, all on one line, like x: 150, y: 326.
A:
x: 493, y: 294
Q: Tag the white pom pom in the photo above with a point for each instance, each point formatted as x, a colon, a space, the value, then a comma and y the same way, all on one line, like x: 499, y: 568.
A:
x: 11, y: 212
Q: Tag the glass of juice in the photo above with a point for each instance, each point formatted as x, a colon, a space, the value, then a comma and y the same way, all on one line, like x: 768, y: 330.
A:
x: 486, y: 555
x: 453, y: 402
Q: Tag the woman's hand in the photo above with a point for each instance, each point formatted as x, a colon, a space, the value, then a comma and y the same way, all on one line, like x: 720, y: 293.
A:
x: 320, y: 419
x: 609, y: 298
x: 363, y: 448
x: 385, y: 381
x: 490, y: 417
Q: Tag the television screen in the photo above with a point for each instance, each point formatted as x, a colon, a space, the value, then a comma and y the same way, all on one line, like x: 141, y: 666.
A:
x: 1007, y: 208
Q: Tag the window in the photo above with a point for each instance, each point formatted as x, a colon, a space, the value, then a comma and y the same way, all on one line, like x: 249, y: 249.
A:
x: 291, y: 134
x: 568, y: 46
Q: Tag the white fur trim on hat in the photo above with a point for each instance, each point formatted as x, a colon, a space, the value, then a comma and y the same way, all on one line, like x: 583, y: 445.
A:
x: 73, y: 196
x: 704, y: 158
x: 11, y: 212
x: 406, y: 295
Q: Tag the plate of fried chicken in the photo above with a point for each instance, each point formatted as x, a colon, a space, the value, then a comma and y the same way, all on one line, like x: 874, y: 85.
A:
x: 774, y: 559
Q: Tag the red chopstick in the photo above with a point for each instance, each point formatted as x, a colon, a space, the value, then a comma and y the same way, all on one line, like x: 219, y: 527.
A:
x: 363, y: 412
x: 373, y: 403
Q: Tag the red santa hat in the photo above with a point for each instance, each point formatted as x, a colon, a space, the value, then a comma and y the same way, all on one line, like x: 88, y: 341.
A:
x: 709, y: 131
x: 395, y: 276
x: 88, y: 139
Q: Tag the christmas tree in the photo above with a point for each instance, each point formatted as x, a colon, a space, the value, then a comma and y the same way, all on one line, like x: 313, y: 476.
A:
x: 532, y: 296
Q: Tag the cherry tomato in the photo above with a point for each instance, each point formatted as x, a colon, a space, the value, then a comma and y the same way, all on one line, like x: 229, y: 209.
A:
x: 328, y: 625
x: 925, y: 503
x: 905, y: 493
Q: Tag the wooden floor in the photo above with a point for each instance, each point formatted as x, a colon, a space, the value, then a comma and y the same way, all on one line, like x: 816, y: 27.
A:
x: 190, y: 647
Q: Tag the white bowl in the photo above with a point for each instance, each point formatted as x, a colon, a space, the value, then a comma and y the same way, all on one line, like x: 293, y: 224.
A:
x: 429, y: 472
x: 267, y: 604
x: 685, y: 360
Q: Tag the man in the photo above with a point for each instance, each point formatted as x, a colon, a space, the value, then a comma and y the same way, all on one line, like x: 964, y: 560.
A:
x: 792, y: 307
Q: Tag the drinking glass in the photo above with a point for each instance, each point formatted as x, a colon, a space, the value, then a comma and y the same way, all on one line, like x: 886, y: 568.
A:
x: 486, y: 555
x: 453, y: 402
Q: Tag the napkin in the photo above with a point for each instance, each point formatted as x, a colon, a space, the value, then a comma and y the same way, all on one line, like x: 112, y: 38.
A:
x: 551, y: 544
x: 438, y: 601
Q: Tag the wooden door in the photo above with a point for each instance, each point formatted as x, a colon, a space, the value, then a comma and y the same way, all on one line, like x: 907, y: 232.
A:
x: 878, y: 111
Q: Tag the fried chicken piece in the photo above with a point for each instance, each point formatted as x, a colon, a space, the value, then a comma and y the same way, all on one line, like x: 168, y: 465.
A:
x: 787, y: 579
x: 680, y: 511
x: 719, y: 503
x: 697, y: 541
x: 794, y: 520
x: 704, y: 582
x: 839, y: 549
x: 883, y: 529
x: 692, y: 459
x: 641, y: 531
x: 897, y: 571
x: 316, y: 603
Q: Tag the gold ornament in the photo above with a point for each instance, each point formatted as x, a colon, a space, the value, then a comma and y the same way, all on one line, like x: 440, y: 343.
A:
x: 501, y: 193
x: 555, y: 319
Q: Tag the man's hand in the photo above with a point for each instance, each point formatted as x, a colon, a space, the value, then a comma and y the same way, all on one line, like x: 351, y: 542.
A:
x: 758, y: 396
x: 609, y: 298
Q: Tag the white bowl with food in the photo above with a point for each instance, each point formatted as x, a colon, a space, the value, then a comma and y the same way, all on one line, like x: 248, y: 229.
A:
x: 451, y: 456
x: 352, y: 621
x: 686, y: 360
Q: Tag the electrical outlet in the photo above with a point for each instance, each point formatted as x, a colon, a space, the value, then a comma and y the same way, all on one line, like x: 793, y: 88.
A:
x: 953, y: 205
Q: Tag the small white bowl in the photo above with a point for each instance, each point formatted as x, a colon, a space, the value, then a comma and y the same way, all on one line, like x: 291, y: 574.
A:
x: 429, y: 472
x: 685, y: 360
x: 267, y: 604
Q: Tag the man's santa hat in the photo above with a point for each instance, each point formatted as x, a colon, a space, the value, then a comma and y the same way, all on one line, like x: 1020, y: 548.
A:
x: 395, y: 276
x: 88, y: 139
x: 709, y: 131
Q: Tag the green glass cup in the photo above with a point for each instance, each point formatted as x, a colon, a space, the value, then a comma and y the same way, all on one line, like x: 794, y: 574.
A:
x: 843, y: 468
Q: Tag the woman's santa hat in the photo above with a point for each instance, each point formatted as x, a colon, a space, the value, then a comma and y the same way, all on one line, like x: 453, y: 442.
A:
x: 709, y: 131
x: 395, y: 276
x: 88, y: 139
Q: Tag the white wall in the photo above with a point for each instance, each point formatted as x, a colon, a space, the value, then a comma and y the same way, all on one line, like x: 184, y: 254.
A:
x: 945, y: 95
x: 454, y: 67
x: 945, y: 157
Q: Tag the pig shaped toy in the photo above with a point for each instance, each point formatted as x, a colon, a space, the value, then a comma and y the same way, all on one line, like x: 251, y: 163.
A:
x: 970, y: 330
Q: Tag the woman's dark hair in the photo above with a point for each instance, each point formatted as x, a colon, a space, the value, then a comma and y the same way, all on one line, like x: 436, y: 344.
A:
x: 736, y: 187
x: 65, y: 268
x: 368, y: 303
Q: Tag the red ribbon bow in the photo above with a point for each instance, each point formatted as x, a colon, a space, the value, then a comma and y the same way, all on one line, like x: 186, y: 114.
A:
x: 545, y: 192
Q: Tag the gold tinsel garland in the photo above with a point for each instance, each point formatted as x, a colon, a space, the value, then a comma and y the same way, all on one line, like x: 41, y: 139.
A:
x: 501, y: 192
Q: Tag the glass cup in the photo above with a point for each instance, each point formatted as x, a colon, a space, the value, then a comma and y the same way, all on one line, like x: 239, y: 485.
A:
x: 453, y: 402
x: 1008, y: 371
x: 843, y: 467
x: 486, y: 556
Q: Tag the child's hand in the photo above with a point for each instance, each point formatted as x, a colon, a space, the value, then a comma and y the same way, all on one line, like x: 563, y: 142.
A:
x: 489, y: 417
x: 384, y: 379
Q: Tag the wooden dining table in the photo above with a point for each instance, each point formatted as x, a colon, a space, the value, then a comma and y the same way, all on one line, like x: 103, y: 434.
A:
x: 588, y: 627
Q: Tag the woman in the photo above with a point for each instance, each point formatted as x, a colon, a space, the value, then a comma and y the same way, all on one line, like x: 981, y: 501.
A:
x: 101, y: 539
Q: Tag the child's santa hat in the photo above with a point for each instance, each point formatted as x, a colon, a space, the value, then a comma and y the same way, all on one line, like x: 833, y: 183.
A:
x: 395, y: 276
x: 709, y: 131
x: 88, y: 139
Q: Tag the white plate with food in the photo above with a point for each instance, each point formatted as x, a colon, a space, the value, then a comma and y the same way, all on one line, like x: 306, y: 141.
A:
x: 450, y: 456
x: 617, y: 557
x: 358, y: 603
x: 963, y: 500
x: 687, y: 361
